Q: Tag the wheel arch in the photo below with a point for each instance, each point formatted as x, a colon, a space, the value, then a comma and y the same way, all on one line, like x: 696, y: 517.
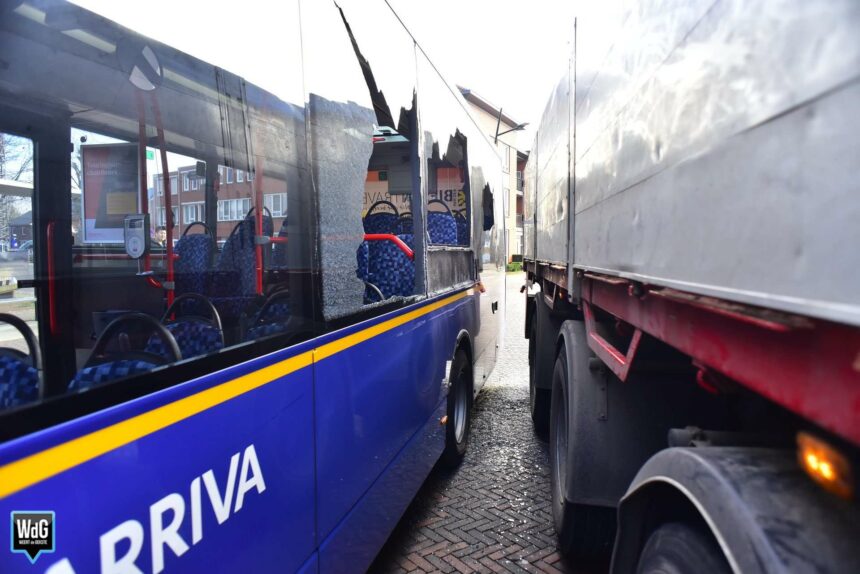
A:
x: 763, y: 512
x: 464, y: 341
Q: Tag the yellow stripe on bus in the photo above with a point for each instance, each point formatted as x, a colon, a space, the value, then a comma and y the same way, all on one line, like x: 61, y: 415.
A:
x: 35, y: 468
x: 339, y: 345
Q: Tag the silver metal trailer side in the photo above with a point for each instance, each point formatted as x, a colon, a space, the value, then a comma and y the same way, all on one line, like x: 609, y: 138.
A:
x: 715, y: 151
x: 692, y: 249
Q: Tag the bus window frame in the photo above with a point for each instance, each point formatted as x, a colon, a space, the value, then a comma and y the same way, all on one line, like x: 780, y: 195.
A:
x: 51, y: 171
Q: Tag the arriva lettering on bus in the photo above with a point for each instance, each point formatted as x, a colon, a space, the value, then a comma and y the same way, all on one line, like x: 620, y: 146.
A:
x: 121, y: 547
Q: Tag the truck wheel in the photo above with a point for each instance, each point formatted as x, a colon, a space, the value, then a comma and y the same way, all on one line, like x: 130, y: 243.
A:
x: 539, y: 399
x: 584, y: 532
x: 459, y: 410
x: 677, y: 547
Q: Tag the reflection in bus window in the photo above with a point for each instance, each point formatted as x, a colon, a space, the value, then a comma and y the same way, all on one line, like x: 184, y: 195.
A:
x: 20, y: 381
x: 189, y: 219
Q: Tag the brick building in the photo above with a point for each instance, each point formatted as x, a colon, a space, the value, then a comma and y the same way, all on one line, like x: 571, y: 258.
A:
x: 235, y: 198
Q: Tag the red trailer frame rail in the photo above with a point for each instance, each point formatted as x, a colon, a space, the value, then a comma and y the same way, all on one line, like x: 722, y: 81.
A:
x: 808, y: 366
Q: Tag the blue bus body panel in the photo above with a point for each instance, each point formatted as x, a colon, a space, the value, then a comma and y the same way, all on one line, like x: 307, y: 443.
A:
x: 92, y: 498
x: 372, y: 398
x: 357, y: 539
x: 312, y: 566
x: 328, y: 440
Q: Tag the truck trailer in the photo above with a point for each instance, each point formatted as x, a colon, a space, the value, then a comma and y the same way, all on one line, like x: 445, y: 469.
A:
x: 692, y: 257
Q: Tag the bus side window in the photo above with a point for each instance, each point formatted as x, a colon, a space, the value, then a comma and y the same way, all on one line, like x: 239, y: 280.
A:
x: 448, y: 208
x: 449, y: 184
x: 20, y: 382
x: 225, y: 266
x: 488, y: 206
x: 366, y: 167
x: 281, y: 309
x: 386, y: 257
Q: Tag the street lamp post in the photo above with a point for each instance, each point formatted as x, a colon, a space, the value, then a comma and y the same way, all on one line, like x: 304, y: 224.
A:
x: 516, y: 128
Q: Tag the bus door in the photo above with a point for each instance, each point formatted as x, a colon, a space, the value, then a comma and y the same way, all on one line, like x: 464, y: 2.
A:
x: 34, y: 232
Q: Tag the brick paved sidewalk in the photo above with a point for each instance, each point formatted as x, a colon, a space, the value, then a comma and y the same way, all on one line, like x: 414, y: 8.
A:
x: 493, y: 513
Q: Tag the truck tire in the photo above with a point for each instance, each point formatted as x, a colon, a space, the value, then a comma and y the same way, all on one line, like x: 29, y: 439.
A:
x: 539, y: 399
x: 459, y: 410
x: 584, y: 532
x: 678, y: 548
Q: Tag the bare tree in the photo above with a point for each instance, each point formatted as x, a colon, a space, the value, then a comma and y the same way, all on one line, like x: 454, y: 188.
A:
x: 77, y: 190
x: 16, y: 164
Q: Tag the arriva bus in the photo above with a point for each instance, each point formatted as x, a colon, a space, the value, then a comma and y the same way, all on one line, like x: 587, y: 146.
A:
x: 267, y: 283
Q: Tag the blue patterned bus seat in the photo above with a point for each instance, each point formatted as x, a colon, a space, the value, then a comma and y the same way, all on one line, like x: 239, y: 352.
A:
x: 19, y: 382
x: 193, y: 336
x: 442, y: 228
x: 110, y: 371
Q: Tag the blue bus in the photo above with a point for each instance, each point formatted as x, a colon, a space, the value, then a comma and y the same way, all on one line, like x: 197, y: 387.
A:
x: 267, y: 283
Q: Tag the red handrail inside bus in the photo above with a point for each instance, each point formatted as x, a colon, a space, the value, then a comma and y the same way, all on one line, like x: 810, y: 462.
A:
x: 154, y: 282
x: 116, y: 257
x: 394, y: 239
x: 257, y: 184
x: 141, y: 161
x: 52, y: 279
x: 168, y: 207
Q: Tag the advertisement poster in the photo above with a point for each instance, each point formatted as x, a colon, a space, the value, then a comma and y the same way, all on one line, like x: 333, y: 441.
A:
x: 449, y: 188
x: 376, y: 189
x: 110, y: 190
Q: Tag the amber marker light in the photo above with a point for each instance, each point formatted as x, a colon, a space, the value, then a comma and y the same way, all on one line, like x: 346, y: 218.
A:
x: 830, y: 469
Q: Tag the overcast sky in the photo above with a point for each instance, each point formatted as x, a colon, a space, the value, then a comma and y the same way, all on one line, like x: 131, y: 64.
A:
x: 512, y: 53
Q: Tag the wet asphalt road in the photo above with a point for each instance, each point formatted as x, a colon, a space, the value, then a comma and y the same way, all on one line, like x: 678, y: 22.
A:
x: 493, y: 513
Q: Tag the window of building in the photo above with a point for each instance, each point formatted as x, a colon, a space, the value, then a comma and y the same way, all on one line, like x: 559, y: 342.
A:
x: 506, y: 199
x: 192, y: 212
x: 240, y: 176
x: 159, y: 184
x: 161, y: 219
x: 233, y: 209
x: 229, y: 175
x: 174, y: 185
x: 276, y: 203
x: 185, y: 183
x: 195, y: 182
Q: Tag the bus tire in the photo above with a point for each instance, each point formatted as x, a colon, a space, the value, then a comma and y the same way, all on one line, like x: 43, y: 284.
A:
x: 539, y: 399
x: 585, y: 532
x: 680, y: 547
x: 459, y: 410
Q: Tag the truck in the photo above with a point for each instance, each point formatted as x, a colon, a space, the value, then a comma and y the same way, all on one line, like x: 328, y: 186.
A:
x: 692, y: 259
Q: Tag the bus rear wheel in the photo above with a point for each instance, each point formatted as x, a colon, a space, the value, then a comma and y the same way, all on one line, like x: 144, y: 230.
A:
x: 459, y: 410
